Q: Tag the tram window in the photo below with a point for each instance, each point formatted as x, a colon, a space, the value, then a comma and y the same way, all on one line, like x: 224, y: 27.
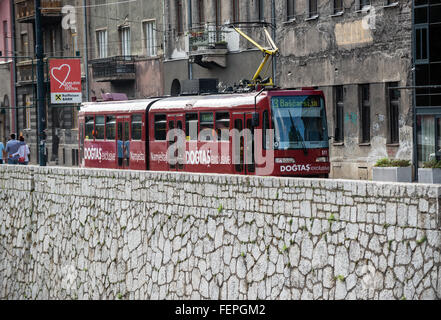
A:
x: 171, y: 126
x: 238, y: 125
x: 99, y: 128
x: 137, y: 127
x: 160, y: 127
x: 110, y: 128
x: 250, y: 147
x: 90, y: 122
x: 207, y: 126
x: 223, y: 126
x: 191, y: 126
x: 265, y: 141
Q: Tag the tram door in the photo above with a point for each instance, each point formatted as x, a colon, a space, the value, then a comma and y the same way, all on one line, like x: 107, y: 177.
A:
x: 123, y: 142
x: 243, y: 144
x: 177, y: 158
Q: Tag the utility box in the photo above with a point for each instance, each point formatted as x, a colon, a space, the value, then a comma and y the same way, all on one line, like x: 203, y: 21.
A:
x: 199, y: 86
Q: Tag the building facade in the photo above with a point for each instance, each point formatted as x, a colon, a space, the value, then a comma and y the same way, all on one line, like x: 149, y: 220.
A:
x: 126, y: 49
x: 6, y: 72
x: 427, y: 79
x: 360, y: 54
x: 62, y: 38
x: 200, y: 43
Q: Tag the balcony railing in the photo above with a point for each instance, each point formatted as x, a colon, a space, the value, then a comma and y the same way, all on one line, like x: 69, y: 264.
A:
x: 25, y: 9
x: 114, y: 68
x: 210, y: 37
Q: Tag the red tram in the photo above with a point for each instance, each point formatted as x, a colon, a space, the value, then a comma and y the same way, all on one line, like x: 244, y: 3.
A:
x: 272, y: 132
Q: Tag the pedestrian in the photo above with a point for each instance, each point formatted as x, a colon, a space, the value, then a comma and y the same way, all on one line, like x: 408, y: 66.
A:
x: 12, y: 150
x: 2, y: 150
x: 23, y: 152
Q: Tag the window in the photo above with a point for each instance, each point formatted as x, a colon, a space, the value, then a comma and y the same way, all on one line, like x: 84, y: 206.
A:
x: 290, y: 10
x: 150, y: 38
x: 110, y: 128
x: 365, y: 114
x: 338, y: 6
x: 24, y: 43
x: 99, y: 127
x: 160, y: 127
x: 201, y: 12
x: 5, y: 39
x: 191, y: 126
x: 137, y: 127
x: 125, y: 41
x: 265, y: 122
x: 90, y: 122
x: 218, y: 12
x: 261, y: 10
x: 364, y: 3
x: 236, y: 15
x: 179, y: 21
x: 339, y: 114
x: 101, y: 37
x: 394, y: 107
x: 223, y: 126
x: 207, y: 126
x: 421, y: 44
x: 238, y: 125
x: 312, y: 8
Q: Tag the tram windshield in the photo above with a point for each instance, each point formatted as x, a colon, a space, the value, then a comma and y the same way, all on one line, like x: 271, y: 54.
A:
x: 299, y: 122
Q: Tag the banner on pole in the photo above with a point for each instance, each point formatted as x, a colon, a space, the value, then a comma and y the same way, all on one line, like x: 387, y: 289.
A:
x: 65, y: 76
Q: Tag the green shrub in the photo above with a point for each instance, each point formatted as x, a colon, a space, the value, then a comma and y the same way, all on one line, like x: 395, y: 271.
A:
x: 432, y: 164
x: 385, y: 162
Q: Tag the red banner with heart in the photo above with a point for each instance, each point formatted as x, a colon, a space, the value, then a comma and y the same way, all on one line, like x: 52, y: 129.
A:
x: 65, y: 80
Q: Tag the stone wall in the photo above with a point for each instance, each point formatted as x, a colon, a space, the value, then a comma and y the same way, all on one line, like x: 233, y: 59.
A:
x: 99, y: 234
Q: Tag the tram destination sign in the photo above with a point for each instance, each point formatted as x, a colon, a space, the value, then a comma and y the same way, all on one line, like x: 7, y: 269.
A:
x: 65, y: 80
x: 296, y: 102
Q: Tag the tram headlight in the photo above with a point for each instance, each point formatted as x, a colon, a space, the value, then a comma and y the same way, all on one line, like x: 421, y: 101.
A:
x: 322, y: 159
x: 285, y: 160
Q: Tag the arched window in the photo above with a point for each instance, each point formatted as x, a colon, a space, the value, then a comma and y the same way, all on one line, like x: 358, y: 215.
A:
x: 175, y: 88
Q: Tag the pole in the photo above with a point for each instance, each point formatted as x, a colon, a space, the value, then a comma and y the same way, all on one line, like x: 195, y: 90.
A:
x: 86, y: 48
x: 41, y: 110
x: 14, y: 116
x: 273, y: 23
x: 190, y: 26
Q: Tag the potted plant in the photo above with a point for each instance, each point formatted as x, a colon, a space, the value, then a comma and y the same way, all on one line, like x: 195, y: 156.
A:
x: 392, y: 170
x: 430, y: 172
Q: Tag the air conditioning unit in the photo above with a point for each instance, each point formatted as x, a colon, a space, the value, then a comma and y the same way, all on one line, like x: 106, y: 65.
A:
x: 199, y: 86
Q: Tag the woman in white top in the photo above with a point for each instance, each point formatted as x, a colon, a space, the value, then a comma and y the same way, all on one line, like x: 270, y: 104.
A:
x: 23, y: 152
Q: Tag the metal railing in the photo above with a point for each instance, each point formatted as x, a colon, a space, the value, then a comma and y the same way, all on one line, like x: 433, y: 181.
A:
x: 25, y: 9
x: 113, y: 66
x: 207, y: 37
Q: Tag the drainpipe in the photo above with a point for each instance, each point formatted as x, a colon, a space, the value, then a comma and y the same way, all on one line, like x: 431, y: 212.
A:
x: 273, y: 22
x: 190, y: 26
x: 86, y: 49
x: 14, y: 117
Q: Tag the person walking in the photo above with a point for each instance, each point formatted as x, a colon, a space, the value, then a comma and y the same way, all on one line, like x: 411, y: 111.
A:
x: 12, y: 150
x: 23, y: 152
x: 2, y: 150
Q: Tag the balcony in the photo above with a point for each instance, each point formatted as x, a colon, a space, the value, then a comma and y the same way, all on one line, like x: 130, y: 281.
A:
x: 114, y: 69
x: 50, y: 11
x: 208, y: 47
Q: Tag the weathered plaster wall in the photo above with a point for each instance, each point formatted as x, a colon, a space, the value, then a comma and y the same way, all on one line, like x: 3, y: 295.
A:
x: 101, y: 234
x: 348, y: 49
